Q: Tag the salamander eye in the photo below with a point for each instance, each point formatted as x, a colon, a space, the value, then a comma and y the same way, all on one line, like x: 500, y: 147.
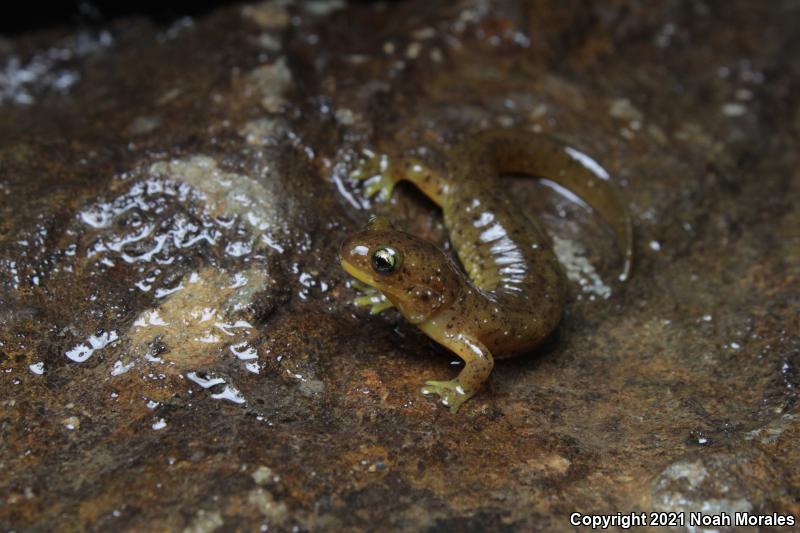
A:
x: 385, y: 260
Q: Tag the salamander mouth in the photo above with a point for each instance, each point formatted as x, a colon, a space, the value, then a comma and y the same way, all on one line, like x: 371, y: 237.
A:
x: 357, y: 273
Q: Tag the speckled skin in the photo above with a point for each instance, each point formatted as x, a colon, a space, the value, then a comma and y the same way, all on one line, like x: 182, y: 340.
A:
x: 512, y: 295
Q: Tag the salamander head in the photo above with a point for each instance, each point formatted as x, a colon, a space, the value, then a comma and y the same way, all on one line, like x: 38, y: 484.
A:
x: 415, y: 275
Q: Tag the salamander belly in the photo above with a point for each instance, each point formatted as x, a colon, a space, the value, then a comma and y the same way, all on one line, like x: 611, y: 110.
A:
x: 508, y: 257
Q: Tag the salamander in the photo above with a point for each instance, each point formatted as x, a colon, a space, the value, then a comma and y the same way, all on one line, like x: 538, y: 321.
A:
x: 510, y: 294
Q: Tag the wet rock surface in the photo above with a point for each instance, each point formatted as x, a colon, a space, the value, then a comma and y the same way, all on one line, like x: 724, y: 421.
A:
x: 178, y: 346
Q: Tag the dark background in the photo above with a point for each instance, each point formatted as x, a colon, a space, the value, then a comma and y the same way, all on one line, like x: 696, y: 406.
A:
x: 23, y: 16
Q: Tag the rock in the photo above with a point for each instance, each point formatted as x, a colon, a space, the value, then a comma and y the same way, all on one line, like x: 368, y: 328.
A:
x: 178, y: 346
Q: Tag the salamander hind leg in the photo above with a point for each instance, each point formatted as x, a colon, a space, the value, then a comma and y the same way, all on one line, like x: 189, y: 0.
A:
x: 478, y: 365
x: 380, y: 173
x: 375, y: 170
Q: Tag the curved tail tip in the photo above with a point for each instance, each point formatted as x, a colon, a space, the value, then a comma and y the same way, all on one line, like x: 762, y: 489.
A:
x: 626, y: 270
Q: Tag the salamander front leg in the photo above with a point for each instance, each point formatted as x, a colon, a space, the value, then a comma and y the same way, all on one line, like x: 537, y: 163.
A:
x: 478, y: 365
x: 370, y: 297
